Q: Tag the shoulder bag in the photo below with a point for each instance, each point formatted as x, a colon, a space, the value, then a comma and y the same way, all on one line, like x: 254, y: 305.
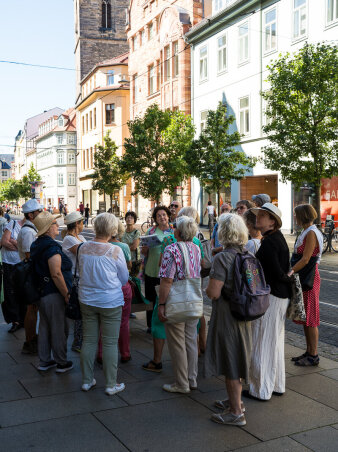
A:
x: 296, y: 310
x: 307, y: 273
x: 72, y: 309
x: 185, y: 299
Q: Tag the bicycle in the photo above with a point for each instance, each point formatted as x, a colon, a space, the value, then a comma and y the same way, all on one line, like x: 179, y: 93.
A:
x: 325, y: 238
x: 148, y: 223
x: 331, y: 236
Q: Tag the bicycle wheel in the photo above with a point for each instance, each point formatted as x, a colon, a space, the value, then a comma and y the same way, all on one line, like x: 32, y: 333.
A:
x: 145, y: 226
x: 325, y: 243
x: 334, y: 241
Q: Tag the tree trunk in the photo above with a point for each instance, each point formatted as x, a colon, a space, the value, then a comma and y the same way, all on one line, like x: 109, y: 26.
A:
x: 111, y: 202
x: 218, y: 202
x: 316, y: 203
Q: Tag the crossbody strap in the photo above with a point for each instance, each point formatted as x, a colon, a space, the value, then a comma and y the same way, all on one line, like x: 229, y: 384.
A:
x: 77, y: 259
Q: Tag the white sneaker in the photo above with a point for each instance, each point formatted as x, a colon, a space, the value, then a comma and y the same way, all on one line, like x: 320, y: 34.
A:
x: 114, y: 390
x: 88, y: 386
x: 174, y: 388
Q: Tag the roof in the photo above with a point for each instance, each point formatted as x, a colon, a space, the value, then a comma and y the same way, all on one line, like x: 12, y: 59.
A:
x: 116, y: 61
x: 4, y: 165
x: 32, y: 124
x: 70, y: 118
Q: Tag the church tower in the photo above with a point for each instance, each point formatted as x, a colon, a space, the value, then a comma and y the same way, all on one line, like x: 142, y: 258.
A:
x: 99, y: 33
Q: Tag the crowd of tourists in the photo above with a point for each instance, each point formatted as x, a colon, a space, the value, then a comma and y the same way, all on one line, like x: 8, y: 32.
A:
x: 102, y: 275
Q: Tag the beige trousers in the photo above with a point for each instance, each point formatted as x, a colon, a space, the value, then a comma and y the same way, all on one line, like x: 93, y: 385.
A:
x: 183, y: 349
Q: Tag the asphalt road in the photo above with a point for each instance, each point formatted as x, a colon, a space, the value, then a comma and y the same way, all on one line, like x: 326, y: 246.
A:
x: 328, y: 330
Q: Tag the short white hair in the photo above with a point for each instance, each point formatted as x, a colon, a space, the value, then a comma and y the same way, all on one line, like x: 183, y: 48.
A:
x: 120, y: 230
x: 105, y: 225
x: 232, y: 230
x: 187, y: 228
x: 189, y: 211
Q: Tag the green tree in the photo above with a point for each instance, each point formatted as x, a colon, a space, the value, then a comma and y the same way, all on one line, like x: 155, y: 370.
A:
x: 302, y: 117
x: 25, y: 183
x: 213, y: 157
x: 10, y: 190
x: 108, y: 175
x: 155, y: 151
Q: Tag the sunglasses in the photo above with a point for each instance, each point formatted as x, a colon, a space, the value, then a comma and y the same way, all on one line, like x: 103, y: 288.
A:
x: 174, y: 205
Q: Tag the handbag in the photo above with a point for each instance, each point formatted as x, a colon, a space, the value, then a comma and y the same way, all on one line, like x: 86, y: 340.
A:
x: 72, y: 309
x: 307, y: 273
x: 296, y: 310
x: 185, y: 299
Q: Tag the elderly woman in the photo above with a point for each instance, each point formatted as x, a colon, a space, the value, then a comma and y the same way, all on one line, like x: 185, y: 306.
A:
x: 181, y: 337
x: 308, y: 250
x: 103, y: 272
x: 229, y: 340
x: 54, y: 270
x: 72, y: 240
x: 255, y: 234
x: 267, y: 371
x: 161, y: 215
x: 242, y: 206
x: 131, y: 237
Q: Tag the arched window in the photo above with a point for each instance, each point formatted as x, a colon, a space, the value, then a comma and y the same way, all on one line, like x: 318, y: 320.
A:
x: 106, y: 14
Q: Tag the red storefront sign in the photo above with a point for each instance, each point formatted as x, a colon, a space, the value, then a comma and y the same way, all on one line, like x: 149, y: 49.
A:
x: 329, y: 198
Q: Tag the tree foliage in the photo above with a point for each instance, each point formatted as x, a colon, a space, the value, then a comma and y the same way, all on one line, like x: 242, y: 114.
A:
x: 155, y: 151
x: 213, y: 157
x: 302, y: 116
x: 10, y: 190
x: 108, y: 175
x: 25, y: 183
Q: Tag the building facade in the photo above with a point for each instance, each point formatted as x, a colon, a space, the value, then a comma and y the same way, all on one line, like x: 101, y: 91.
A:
x: 230, y: 54
x: 99, y: 34
x: 5, y: 171
x: 159, y: 61
x: 103, y: 108
x: 56, y: 160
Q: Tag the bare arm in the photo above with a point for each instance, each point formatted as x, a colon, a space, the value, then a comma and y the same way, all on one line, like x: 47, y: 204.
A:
x: 133, y: 246
x: 165, y: 286
x: 7, y: 242
x: 73, y: 249
x: 54, y: 264
x: 310, y: 245
x: 145, y: 250
x: 214, y: 288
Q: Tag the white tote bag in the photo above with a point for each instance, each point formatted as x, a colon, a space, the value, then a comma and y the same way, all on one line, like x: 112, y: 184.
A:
x: 185, y: 299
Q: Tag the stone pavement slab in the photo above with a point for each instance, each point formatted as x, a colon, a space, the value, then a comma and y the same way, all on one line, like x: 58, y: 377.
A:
x: 6, y: 359
x: 145, y: 391
x: 284, y: 444
x: 316, y: 387
x: 286, y: 415
x: 16, y: 371
x: 12, y: 390
x: 56, y: 406
x: 332, y: 373
x: 70, y: 434
x: 178, y: 424
x: 323, y: 439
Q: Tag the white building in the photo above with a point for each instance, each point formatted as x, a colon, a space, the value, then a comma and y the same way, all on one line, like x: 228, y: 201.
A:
x: 5, y: 171
x: 56, y: 159
x: 230, y: 53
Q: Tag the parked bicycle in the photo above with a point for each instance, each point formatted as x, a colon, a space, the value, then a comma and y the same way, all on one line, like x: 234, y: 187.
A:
x: 330, y: 236
x: 148, y: 223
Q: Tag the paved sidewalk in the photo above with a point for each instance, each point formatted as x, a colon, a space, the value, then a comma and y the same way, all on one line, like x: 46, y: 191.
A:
x: 48, y: 412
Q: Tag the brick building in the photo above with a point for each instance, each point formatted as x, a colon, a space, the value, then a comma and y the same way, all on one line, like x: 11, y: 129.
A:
x: 99, y: 34
x: 159, y: 59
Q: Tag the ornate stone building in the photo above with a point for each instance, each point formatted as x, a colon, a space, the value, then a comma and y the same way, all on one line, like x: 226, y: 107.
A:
x: 100, y: 34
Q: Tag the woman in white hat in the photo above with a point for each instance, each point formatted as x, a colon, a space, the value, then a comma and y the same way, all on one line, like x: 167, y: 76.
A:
x: 72, y: 238
x: 267, y: 370
x: 54, y: 271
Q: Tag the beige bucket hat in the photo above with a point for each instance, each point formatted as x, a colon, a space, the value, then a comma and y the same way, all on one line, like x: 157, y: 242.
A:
x: 43, y: 221
x: 272, y: 209
x: 73, y: 217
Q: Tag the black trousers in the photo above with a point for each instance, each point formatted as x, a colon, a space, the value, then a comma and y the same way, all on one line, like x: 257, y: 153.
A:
x: 150, y: 293
x: 12, y: 309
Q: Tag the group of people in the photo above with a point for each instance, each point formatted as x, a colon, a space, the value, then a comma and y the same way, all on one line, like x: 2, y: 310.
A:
x: 252, y: 352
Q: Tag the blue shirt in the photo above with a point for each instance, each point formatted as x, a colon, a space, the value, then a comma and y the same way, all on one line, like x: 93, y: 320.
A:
x: 43, y: 249
x: 215, y: 236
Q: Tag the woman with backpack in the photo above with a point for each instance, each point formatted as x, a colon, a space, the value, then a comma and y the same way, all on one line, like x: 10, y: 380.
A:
x: 229, y: 340
x: 267, y: 370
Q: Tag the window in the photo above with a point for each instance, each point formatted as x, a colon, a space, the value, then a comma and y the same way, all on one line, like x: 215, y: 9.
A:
x: 270, y: 39
x: 71, y: 179
x: 86, y: 122
x: 331, y: 11
x: 83, y: 127
x: 167, y: 63
x: 158, y: 75
x: 244, y: 116
x: 110, y: 78
x: 110, y: 114
x: 59, y: 139
x: 91, y: 120
x: 71, y: 139
x: 218, y: 5
x: 136, y: 88
x: 60, y: 122
x: 150, y: 31
x: 203, y: 63
x: 204, y: 115
x: 71, y: 158
x: 143, y: 37
x: 152, y: 79
x: 106, y: 14
x: 60, y: 178
x: 83, y: 159
x: 4, y: 173
x: 299, y: 18
x: 87, y: 158
x: 61, y: 159
x: 135, y: 42
x: 222, y: 54
x: 243, y: 44
x: 91, y: 158
x: 175, y: 61
x: 94, y: 118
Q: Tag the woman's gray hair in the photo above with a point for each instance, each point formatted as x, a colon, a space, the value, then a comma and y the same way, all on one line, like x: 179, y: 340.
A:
x: 189, y: 211
x: 105, y: 225
x: 120, y: 230
x: 232, y: 230
x: 187, y: 228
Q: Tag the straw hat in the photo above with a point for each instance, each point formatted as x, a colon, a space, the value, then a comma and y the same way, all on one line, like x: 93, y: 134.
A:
x: 272, y: 209
x: 73, y: 217
x: 43, y: 222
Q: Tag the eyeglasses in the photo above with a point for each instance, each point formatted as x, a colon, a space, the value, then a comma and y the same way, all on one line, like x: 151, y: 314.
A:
x: 240, y: 208
x: 174, y: 205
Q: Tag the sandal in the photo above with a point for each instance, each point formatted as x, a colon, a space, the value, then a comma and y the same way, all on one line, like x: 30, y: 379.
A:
x: 152, y: 366
x: 308, y: 361
x: 297, y: 358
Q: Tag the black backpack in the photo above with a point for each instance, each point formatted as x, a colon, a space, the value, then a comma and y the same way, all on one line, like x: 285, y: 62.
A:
x: 26, y: 281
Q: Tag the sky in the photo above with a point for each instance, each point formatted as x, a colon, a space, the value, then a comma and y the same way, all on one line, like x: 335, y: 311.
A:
x: 36, y: 32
